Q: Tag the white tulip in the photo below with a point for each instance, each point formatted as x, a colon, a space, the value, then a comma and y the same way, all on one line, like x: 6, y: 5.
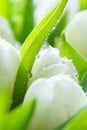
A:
x: 48, y: 63
x: 46, y: 57
x: 76, y: 33
x: 9, y: 62
x: 73, y: 7
x: 58, y: 98
x: 6, y: 31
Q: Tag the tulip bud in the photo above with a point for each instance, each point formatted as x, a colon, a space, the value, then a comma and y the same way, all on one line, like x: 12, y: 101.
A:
x: 76, y: 33
x: 9, y: 62
x: 6, y: 31
x: 48, y: 63
x: 58, y: 98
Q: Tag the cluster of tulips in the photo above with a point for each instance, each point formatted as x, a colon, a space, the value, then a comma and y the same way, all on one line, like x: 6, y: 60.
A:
x: 52, y: 77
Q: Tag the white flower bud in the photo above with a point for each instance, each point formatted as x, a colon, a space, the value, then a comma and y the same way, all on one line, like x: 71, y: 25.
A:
x: 72, y: 8
x: 9, y: 62
x: 76, y: 32
x: 6, y: 31
x: 48, y: 63
x: 58, y: 98
x: 45, y: 58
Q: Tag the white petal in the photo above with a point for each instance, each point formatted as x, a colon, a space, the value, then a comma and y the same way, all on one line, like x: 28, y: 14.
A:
x: 48, y: 63
x: 76, y: 32
x: 6, y: 31
x: 72, y: 8
x: 45, y: 58
x: 9, y: 62
x: 58, y: 98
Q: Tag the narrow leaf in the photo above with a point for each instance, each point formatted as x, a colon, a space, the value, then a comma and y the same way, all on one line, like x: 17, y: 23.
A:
x: 4, y: 102
x: 30, y: 49
x: 56, y: 33
x: 35, y: 32
x: 84, y: 82
x: 83, y: 4
x: 78, y: 60
x: 19, y: 118
x: 28, y: 21
x: 78, y: 122
x: 5, y: 8
x: 21, y: 18
x: 19, y: 13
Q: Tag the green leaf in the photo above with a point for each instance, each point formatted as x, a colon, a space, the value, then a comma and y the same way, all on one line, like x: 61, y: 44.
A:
x: 56, y: 33
x: 5, y: 8
x: 4, y: 102
x: 20, y: 15
x: 28, y: 22
x: 84, y: 81
x: 22, y: 18
x: 30, y: 49
x: 19, y: 118
x: 77, y: 122
x: 78, y: 60
x: 83, y: 4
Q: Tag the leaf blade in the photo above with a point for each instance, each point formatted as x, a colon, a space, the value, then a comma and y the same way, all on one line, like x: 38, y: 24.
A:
x: 78, y: 60
x: 30, y: 50
x: 77, y: 122
x: 19, y: 118
x: 28, y: 20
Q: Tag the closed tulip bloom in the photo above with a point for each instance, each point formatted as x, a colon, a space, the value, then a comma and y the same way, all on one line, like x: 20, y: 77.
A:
x: 9, y: 62
x: 58, y: 98
x: 48, y: 63
x: 76, y: 33
x: 6, y: 31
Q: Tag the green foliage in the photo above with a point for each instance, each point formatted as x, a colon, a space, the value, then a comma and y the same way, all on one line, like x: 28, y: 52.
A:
x: 5, y: 9
x: 77, y: 122
x: 84, y: 81
x: 19, y: 118
x: 4, y: 102
x: 56, y: 33
x: 20, y: 15
x: 30, y: 49
x: 78, y: 60
x: 28, y: 22
x: 83, y: 4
